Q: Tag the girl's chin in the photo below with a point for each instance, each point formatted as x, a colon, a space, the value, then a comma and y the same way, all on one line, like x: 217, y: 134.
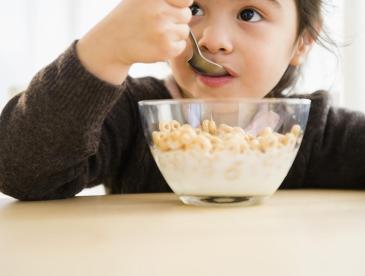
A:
x: 204, y: 93
x: 198, y: 92
x: 188, y: 95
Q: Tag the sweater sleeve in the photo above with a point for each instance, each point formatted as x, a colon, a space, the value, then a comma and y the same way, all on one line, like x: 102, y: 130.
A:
x: 55, y: 138
x: 332, y: 154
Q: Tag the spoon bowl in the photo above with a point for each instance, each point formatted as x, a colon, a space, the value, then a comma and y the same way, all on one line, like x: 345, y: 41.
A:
x: 203, y: 65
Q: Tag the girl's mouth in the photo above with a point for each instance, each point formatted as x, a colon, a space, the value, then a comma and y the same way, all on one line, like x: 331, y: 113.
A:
x: 216, y: 81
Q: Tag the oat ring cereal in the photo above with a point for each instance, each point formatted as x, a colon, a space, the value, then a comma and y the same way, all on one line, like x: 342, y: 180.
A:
x: 209, y: 137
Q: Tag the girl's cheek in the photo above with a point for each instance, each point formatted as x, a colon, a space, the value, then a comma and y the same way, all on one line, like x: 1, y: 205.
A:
x: 179, y: 65
x: 182, y: 58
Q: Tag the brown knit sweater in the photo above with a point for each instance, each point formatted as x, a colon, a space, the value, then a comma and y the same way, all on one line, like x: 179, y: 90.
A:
x: 70, y: 130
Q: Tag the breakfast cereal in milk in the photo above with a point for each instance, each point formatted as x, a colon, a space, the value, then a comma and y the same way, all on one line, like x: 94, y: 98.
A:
x: 223, y: 160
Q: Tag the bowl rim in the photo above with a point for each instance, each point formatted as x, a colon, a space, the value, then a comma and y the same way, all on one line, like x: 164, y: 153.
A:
x: 226, y: 100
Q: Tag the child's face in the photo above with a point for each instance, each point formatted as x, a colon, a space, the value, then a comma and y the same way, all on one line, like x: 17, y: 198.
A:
x: 256, y: 39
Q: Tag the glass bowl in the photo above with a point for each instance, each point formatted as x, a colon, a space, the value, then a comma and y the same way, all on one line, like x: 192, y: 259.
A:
x: 224, y: 152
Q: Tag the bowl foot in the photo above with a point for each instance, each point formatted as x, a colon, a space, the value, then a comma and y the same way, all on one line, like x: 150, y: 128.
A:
x: 221, y: 200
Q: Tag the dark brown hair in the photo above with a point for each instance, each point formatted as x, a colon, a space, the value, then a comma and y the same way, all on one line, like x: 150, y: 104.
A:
x: 309, y: 19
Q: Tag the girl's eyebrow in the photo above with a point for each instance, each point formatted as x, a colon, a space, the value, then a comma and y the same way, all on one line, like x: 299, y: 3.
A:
x: 274, y: 2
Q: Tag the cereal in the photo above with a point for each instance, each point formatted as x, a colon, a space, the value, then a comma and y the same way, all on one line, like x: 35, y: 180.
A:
x: 238, y: 130
x: 164, y: 126
x: 233, y: 146
x: 296, y: 130
x: 198, y: 131
x: 175, y: 125
x: 187, y: 137
x: 209, y: 126
x: 205, y: 125
x: 202, y: 143
x: 254, y: 145
x: 223, y: 128
x: 174, y: 136
x: 173, y: 144
x: 186, y: 127
x: 244, y: 146
x: 267, y: 131
x: 163, y: 145
x: 212, y: 127
x: 223, y: 160
x: 156, y: 137
x: 215, y: 140
x: 267, y: 142
x: 291, y: 138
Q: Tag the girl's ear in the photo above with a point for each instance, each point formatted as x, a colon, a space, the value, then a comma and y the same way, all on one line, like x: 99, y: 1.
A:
x: 304, y: 44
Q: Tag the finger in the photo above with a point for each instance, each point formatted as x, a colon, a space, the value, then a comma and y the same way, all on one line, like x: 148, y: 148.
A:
x: 180, y: 3
x: 178, y: 47
x: 179, y: 32
x: 181, y: 16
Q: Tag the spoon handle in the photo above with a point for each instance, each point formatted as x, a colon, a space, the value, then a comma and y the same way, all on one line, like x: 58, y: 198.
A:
x: 196, y: 48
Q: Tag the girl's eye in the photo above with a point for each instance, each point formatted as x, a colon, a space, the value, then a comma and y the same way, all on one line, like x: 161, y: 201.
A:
x: 249, y: 15
x: 196, y: 10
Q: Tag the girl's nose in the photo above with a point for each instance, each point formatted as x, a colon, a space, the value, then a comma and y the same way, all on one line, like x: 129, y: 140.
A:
x: 215, y: 39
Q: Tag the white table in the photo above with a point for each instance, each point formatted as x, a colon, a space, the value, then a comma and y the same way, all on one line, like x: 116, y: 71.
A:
x: 304, y: 232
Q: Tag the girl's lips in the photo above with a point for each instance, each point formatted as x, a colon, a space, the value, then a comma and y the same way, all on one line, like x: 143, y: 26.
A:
x: 215, y: 81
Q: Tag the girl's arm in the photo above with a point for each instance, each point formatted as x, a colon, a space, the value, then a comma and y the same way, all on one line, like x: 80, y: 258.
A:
x: 50, y: 134
x: 57, y: 137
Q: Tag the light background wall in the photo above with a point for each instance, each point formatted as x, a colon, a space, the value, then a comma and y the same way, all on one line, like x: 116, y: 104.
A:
x: 35, y: 32
x: 354, y: 55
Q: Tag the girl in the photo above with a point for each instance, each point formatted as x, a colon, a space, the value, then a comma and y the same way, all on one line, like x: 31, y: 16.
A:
x: 77, y: 125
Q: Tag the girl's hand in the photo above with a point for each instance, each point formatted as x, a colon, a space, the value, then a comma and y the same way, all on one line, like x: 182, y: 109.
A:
x: 135, y: 31
x: 150, y: 30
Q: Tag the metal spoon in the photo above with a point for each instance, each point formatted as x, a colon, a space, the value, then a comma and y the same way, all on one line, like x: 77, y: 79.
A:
x: 203, y: 65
